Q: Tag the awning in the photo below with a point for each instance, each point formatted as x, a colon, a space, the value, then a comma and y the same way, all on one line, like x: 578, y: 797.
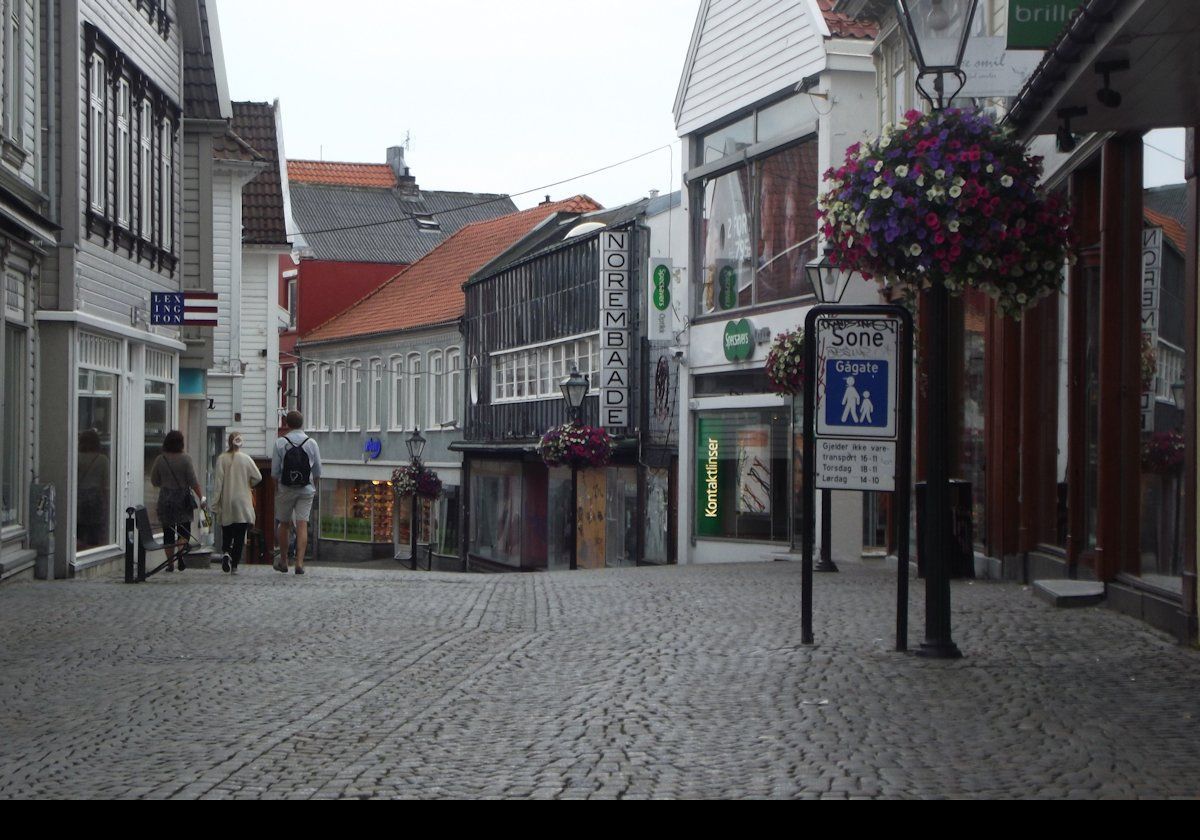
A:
x: 33, y: 225
x: 1160, y: 40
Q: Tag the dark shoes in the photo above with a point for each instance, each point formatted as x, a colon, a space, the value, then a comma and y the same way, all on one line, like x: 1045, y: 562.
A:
x: 225, y: 563
x: 299, y: 570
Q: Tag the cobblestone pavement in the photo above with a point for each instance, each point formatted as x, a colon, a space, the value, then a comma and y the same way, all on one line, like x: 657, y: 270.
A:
x: 675, y: 682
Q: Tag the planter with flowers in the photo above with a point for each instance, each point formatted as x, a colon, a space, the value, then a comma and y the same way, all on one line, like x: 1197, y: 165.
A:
x: 576, y: 445
x: 785, y: 362
x: 947, y: 198
x: 419, y: 480
x: 1162, y: 452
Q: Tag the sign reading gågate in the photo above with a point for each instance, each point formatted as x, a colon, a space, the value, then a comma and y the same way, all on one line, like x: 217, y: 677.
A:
x: 614, y: 328
x: 856, y: 402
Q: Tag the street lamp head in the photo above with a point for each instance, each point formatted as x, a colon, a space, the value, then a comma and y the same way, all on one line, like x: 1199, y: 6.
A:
x: 937, y: 32
x: 416, y: 445
x: 1179, y: 394
x: 828, y: 282
x: 574, y: 389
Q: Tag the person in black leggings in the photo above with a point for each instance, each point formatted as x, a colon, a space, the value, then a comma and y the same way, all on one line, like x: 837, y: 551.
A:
x: 233, y: 504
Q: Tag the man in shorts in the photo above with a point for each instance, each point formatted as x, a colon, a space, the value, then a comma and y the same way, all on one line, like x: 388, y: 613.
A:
x: 296, y: 468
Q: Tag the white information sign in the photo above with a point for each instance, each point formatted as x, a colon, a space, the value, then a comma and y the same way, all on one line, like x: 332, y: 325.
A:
x: 993, y: 71
x: 857, y: 396
x: 614, y: 329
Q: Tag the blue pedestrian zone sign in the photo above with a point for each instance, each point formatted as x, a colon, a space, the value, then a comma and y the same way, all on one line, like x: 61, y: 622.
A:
x: 856, y: 394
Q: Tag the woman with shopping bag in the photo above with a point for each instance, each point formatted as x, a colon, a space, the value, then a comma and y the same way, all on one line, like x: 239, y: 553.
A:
x: 233, y: 505
x: 178, y: 496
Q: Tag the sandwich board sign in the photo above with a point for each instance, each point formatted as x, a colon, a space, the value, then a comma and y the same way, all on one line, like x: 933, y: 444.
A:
x: 857, y: 395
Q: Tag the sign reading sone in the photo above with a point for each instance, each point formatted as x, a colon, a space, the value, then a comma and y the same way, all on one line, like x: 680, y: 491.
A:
x: 614, y: 329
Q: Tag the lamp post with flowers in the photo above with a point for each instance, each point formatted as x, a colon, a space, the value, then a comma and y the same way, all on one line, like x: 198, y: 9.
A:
x: 416, y: 448
x: 574, y: 388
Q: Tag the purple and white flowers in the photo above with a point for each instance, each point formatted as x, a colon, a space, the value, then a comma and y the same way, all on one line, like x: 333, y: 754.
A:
x: 949, y: 198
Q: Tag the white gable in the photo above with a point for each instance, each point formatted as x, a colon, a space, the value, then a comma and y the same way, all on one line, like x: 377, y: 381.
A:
x: 743, y: 51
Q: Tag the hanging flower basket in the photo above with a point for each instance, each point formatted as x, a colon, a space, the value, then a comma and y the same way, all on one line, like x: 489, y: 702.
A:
x: 950, y: 198
x: 577, y: 445
x: 422, y: 481
x: 1162, y: 452
x: 785, y: 362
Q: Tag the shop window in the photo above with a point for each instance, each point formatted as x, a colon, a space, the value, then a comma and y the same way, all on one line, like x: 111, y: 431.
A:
x: 156, y: 419
x: 496, y: 526
x: 356, y: 511
x: 657, y: 548
x: 741, y: 468
x: 620, y: 517
x: 13, y: 431
x: 758, y: 230
x: 558, y: 518
x: 94, y: 479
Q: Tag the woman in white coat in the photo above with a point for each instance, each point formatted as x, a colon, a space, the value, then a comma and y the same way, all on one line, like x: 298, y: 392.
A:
x: 232, y: 503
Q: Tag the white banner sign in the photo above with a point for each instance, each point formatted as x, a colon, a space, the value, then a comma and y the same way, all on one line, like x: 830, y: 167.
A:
x: 614, y: 329
x: 993, y: 71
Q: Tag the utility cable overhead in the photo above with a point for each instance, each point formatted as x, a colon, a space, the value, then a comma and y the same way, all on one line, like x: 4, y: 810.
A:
x: 410, y: 216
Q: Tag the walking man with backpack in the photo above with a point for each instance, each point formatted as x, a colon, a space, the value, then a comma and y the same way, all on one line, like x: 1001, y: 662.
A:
x: 296, y: 468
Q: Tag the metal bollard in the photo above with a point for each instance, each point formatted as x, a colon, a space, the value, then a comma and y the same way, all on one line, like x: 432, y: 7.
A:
x: 130, y: 548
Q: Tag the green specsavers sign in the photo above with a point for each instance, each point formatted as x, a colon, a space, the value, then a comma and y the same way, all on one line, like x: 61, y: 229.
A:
x: 739, y: 340
x: 1035, y: 24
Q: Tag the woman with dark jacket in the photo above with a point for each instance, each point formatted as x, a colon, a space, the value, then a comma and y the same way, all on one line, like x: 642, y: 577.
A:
x: 175, y: 477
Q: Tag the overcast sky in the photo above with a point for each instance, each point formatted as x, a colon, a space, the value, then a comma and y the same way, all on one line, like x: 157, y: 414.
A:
x: 493, y: 97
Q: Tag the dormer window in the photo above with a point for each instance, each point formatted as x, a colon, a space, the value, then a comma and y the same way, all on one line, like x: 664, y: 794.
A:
x: 427, y: 221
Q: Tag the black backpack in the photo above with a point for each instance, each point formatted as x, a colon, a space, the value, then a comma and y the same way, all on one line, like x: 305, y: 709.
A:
x: 297, y: 469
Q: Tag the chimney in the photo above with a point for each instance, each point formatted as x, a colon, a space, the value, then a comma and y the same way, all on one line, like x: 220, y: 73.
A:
x: 406, y: 184
x: 653, y: 193
x: 547, y: 201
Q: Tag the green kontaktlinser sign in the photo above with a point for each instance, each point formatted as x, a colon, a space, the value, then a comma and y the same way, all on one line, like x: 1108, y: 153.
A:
x: 739, y: 340
x: 662, y: 288
x: 1036, y: 24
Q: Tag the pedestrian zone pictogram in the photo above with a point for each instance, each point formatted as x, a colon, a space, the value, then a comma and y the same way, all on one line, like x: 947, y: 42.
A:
x: 856, y: 393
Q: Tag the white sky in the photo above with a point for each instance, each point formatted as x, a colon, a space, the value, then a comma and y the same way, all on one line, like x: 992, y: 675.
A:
x: 496, y: 97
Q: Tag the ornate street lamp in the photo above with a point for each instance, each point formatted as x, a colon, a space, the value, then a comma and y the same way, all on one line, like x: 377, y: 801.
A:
x: 937, y: 32
x: 829, y: 285
x: 574, y: 388
x: 416, y: 447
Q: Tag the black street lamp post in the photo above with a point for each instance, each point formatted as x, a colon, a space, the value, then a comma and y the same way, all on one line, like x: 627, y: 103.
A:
x: 574, y: 389
x: 416, y: 447
x: 937, y: 32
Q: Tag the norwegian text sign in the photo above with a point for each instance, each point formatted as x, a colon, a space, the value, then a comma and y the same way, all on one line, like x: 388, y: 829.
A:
x: 857, y: 392
x: 614, y: 328
x: 1152, y: 242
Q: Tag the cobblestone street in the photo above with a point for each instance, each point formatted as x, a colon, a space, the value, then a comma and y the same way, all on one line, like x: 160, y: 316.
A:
x: 664, y: 682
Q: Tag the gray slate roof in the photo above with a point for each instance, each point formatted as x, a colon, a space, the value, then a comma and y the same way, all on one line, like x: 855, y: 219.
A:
x: 390, y: 235
x: 200, y: 96
x: 1170, y: 200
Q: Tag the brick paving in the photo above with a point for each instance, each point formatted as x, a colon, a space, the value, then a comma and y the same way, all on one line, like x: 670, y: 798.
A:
x: 634, y: 683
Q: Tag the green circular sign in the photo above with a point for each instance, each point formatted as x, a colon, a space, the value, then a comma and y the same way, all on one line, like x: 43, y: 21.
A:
x: 727, y: 285
x: 662, y: 288
x: 739, y: 340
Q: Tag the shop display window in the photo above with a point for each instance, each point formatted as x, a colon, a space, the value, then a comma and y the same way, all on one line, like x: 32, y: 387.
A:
x: 496, y: 526
x: 742, y: 463
x: 356, y: 511
x: 94, y: 500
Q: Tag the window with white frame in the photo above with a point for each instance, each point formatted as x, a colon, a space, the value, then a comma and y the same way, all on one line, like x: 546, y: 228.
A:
x: 396, y: 403
x: 341, y: 396
x: 124, y: 138
x: 97, y: 124
x: 356, y: 376
x: 437, y: 389
x: 327, y: 403
x: 537, y: 372
x: 14, y: 73
x: 166, y: 183
x: 312, y: 394
x: 374, y: 393
x: 289, y: 388
x: 416, y: 401
x: 146, y: 171
x: 292, y: 301
x: 453, y: 412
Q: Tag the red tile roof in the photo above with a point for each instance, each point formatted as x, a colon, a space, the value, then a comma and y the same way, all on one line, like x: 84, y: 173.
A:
x: 430, y: 290
x: 341, y: 174
x: 1172, y: 229
x: 844, y: 26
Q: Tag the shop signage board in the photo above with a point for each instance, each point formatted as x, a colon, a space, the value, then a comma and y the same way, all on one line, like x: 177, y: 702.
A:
x: 738, y: 340
x: 183, y: 309
x: 993, y: 70
x: 1152, y: 242
x: 712, y: 478
x: 614, y: 328
x: 1036, y: 24
x: 856, y: 402
x: 660, y: 323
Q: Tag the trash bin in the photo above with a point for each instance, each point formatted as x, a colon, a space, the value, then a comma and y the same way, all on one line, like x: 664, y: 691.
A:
x: 962, y: 538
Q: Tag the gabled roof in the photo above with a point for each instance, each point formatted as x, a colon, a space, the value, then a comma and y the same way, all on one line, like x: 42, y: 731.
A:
x: 203, y: 95
x: 429, y: 292
x: 1171, y: 228
x: 263, y: 220
x: 379, y: 225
